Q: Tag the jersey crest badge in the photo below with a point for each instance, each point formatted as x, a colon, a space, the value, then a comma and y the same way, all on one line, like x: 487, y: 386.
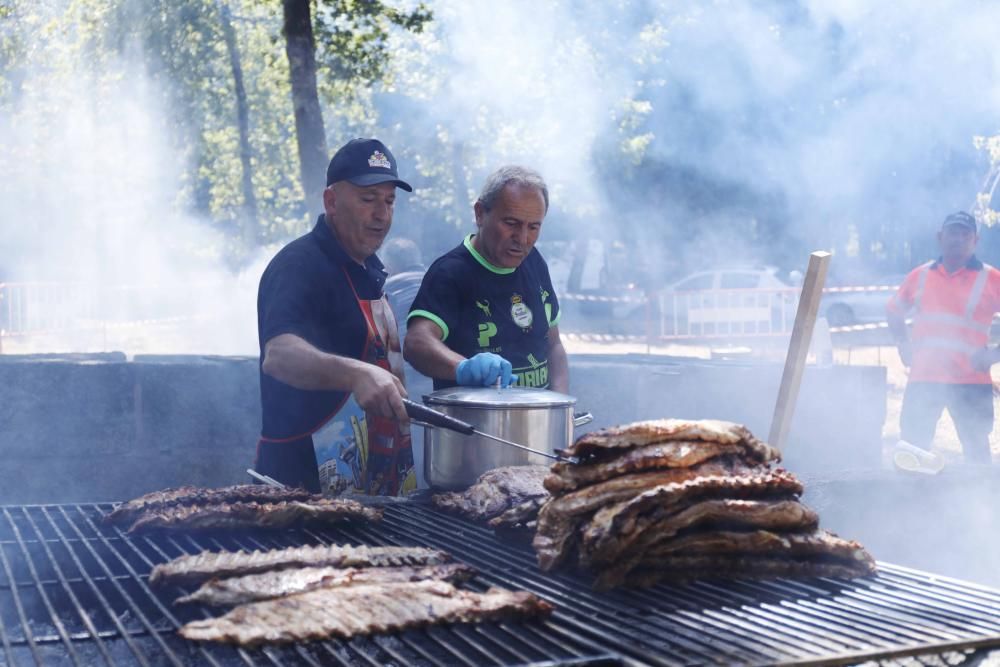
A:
x: 520, y: 312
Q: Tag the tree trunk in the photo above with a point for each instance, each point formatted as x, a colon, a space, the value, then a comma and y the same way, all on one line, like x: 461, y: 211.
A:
x: 309, y: 131
x: 248, y: 221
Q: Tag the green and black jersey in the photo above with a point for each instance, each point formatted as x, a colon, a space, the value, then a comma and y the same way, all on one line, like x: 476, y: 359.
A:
x: 484, y: 308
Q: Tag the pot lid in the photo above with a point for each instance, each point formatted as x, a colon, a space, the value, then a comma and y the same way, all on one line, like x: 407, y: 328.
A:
x: 491, y: 397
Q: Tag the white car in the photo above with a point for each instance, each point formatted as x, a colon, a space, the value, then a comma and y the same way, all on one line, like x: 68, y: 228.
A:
x: 722, y: 301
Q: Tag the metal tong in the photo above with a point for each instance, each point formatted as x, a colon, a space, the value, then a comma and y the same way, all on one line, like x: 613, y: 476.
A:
x: 270, y: 481
x: 424, y: 415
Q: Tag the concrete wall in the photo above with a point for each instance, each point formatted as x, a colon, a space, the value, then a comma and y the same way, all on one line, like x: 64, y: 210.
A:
x: 78, y: 428
x: 95, y: 427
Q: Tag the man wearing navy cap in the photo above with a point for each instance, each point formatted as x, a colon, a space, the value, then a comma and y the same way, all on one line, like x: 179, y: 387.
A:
x: 330, y: 363
x: 952, y: 301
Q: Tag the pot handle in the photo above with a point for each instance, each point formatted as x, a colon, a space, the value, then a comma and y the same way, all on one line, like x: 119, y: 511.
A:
x: 422, y: 413
x: 581, y: 418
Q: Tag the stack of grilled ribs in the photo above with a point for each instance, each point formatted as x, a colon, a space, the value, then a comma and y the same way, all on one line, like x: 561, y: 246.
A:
x: 673, y: 499
x: 316, y: 592
x: 241, y: 506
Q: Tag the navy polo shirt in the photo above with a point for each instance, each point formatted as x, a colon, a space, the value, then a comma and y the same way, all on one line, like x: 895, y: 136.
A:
x: 304, y: 291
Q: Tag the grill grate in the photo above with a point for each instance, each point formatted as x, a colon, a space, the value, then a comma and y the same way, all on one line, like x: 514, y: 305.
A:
x: 73, y: 592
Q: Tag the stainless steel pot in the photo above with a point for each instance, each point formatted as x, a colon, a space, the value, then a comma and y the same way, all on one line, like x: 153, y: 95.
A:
x: 537, y: 418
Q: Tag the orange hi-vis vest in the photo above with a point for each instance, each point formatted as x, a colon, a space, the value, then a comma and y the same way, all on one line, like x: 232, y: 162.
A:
x: 952, y: 314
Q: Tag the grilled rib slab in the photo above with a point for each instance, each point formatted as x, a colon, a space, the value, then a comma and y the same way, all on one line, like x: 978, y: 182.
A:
x: 649, y: 432
x: 254, y: 515
x: 565, y: 477
x: 495, y: 492
x: 685, y: 568
x: 192, y: 495
x: 361, y: 610
x: 600, y: 547
x: 268, y: 585
x: 763, y: 542
x: 196, y: 568
x: 559, y: 518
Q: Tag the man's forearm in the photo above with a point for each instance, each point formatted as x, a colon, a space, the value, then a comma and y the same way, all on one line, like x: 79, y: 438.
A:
x: 426, y: 352
x: 294, y: 361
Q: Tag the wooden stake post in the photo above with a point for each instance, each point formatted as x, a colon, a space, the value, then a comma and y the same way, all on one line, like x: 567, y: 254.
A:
x: 798, y: 347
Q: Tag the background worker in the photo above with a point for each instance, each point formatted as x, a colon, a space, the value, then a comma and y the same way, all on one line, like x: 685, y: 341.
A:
x: 486, y: 310
x: 952, y: 301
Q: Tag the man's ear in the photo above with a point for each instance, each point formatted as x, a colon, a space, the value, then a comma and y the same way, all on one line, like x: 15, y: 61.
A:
x: 480, y: 212
x: 329, y: 200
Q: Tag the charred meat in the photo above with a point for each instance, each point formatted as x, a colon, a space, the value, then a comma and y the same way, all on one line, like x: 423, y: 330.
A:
x: 276, y: 584
x: 361, y: 610
x: 602, y: 546
x: 128, y: 512
x: 650, y: 432
x: 495, y: 492
x: 197, y: 568
x: 561, y: 517
x: 674, y: 498
x: 254, y: 515
x: 686, y: 568
x: 673, y: 454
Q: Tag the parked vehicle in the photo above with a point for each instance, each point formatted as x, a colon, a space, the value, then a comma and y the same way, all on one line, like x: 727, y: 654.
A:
x: 729, y: 300
x: 847, y: 308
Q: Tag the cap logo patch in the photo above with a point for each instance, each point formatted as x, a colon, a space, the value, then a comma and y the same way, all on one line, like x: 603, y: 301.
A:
x: 378, y: 159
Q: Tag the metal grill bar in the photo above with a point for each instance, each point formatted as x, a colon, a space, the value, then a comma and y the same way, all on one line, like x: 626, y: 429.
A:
x: 804, y: 621
x: 62, y: 569
x: 55, y: 618
x: 484, y: 560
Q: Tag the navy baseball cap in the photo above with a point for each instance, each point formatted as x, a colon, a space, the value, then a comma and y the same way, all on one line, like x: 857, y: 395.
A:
x: 364, y: 162
x: 960, y: 218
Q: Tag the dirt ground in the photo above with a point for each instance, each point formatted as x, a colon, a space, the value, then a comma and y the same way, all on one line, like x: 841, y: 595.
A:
x: 946, y: 441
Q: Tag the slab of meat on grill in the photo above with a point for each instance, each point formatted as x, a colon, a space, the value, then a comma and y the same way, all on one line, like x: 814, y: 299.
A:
x: 128, y: 512
x: 616, y: 530
x: 254, y: 515
x: 686, y: 568
x: 495, y: 492
x: 361, y: 610
x: 519, y: 515
x: 269, y: 585
x: 672, y: 454
x: 196, y: 568
x: 561, y: 517
x: 642, y: 433
x: 763, y: 542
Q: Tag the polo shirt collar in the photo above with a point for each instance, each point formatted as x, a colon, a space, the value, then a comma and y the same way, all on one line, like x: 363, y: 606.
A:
x: 331, y: 246
x: 973, y: 264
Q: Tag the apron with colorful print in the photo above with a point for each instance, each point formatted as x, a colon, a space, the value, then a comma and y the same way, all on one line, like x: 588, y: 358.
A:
x: 361, y: 453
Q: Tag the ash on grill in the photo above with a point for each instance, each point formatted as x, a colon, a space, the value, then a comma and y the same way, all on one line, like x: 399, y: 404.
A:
x: 675, y: 499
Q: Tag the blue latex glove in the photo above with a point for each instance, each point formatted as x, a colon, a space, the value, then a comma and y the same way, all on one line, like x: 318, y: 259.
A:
x: 483, y: 370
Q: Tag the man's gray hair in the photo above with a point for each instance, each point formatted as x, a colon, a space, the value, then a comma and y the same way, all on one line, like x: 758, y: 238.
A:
x: 511, y: 175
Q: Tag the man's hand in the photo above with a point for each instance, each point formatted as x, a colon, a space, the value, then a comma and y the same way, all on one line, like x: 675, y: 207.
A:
x: 905, y: 352
x: 483, y: 370
x: 984, y: 358
x: 380, y: 392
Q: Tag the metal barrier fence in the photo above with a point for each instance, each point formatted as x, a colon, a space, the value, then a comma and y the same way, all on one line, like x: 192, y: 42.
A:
x: 41, y: 308
x: 719, y: 313
x: 37, y: 310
